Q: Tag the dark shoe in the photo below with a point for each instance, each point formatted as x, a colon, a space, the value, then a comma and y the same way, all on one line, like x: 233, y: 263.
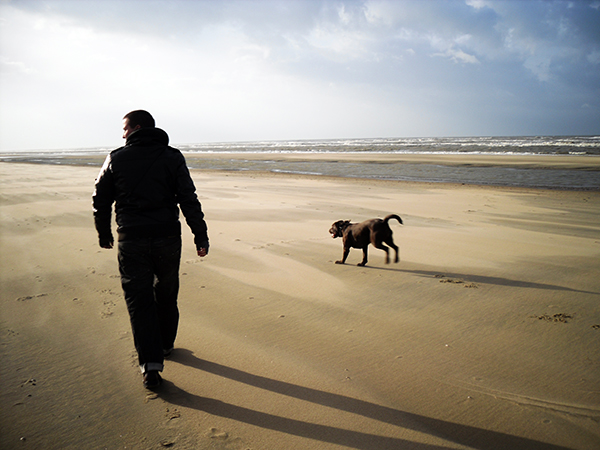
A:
x: 167, y: 352
x: 152, y: 379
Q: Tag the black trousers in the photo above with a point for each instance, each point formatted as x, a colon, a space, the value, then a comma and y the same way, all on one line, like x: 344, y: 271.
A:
x: 149, y: 270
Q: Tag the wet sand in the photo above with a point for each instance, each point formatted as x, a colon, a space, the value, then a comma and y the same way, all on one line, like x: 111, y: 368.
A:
x: 580, y: 162
x: 485, y: 335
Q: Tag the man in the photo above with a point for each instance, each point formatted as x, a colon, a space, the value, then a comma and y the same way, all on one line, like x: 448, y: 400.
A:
x: 147, y: 180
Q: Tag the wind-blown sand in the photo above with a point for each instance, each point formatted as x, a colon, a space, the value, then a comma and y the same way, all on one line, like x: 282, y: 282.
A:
x: 486, y: 335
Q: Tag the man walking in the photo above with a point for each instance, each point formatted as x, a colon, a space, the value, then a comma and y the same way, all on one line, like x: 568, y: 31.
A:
x: 147, y: 180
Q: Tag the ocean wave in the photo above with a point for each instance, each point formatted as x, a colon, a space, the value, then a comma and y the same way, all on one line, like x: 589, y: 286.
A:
x: 537, y: 145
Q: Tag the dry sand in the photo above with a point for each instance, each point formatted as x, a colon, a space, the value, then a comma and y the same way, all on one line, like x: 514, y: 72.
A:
x: 486, y: 335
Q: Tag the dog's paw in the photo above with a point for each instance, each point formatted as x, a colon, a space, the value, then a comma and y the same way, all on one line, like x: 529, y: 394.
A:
x: 339, y: 262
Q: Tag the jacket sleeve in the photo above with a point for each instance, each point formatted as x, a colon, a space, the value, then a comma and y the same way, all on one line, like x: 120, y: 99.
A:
x: 190, y: 205
x: 102, y: 201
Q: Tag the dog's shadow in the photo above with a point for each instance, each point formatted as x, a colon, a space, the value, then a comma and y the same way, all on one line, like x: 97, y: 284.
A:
x: 454, y: 432
x: 481, y: 279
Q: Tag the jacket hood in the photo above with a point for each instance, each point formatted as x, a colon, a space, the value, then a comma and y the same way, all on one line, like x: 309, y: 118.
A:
x: 147, y: 136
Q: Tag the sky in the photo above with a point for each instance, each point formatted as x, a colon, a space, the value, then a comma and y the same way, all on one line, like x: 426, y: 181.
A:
x: 220, y: 71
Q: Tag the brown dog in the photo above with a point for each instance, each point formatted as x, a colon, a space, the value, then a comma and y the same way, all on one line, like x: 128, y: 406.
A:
x: 360, y: 235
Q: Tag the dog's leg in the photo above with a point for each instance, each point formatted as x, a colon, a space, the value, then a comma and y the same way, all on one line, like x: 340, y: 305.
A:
x: 364, y: 261
x: 345, y: 255
x: 380, y: 246
x: 390, y: 242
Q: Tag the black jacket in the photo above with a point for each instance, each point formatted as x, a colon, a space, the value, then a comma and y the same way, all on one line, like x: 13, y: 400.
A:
x: 147, y: 179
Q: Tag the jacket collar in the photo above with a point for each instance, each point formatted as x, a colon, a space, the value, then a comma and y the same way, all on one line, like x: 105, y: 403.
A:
x: 147, y: 136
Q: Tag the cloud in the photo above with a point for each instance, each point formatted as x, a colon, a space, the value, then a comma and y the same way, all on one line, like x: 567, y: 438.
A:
x: 594, y: 57
x: 477, y: 4
x: 546, y: 35
x: 458, y: 55
x: 10, y: 66
x: 241, y: 69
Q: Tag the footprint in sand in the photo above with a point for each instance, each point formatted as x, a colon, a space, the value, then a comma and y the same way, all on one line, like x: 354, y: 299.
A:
x: 451, y: 280
x: 174, y: 414
x: 109, y: 306
x: 11, y: 333
x: 456, y: 281
x: 193, y: 261
x: 168, y: 442
x: 233, y: 443
x: 150, y: 397
x: 215, y: 433
x: 29, y: 382
x: 134, y: 359
x: 30, y: 297
x: 560, y: 317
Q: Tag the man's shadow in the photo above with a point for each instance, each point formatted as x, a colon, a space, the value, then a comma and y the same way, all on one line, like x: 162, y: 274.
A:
x: 461, y: 434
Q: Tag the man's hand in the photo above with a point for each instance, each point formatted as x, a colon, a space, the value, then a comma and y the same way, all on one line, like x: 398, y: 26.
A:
x: 106, y: 243
x: 202, y: 252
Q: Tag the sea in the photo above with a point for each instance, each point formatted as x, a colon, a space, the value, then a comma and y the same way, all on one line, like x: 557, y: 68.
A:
x: 217, y: 156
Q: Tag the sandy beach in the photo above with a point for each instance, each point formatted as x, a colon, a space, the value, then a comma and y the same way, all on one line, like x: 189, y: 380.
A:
x: 486, y: 334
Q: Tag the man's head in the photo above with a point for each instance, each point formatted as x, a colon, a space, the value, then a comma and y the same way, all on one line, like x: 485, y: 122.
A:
x: 136, y: 120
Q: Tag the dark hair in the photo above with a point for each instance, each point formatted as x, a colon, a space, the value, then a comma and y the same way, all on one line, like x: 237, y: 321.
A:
x: 140, y: 117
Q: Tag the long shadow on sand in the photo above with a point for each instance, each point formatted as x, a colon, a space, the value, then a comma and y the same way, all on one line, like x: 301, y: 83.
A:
x: 461, y: 434
x: 499, y: 281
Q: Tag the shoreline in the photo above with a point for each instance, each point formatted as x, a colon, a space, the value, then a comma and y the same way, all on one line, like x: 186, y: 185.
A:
x: 583, y: 163
x: 586, y: 162
x: 550, y: 161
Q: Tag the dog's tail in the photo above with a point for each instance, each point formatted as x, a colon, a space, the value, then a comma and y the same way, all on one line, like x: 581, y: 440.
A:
x: 393, y: 216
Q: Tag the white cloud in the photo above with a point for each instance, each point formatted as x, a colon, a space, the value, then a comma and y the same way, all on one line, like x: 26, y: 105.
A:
x: 345, y: 16
x: 458, y: 55
x: 340, y: 42
x: 7, y: 66
x: 594, y: 57
x: 477, y: 4
x: 380, y: 13
x: 539, y: 65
